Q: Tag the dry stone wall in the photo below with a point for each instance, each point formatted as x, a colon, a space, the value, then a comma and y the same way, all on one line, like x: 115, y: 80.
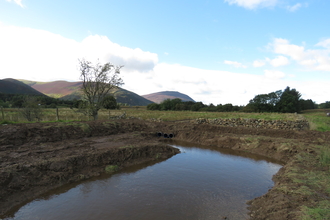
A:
x: 300, y: 124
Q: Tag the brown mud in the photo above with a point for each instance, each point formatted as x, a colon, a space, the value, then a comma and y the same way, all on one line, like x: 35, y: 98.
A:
x: 35, y: 158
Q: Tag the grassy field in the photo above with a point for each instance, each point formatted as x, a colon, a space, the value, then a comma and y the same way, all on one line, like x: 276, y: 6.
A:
x: 317, y: 118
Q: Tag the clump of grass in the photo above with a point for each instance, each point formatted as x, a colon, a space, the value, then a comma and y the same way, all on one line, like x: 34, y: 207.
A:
x: 111, y: 168
x: 85, y: 127
x: 325, y: 156
x: 322, y: 211
x: 4, y: 122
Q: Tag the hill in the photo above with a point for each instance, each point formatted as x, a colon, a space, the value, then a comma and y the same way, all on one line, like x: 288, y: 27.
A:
x: 122, y: 96
x: 65, y: 90
x: 55, y: 89
x: 13, y: 86
x: 158, y: 97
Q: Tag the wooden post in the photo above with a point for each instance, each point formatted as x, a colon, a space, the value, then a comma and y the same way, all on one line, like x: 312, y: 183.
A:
x: 3, y: 115
x: 57, y: 116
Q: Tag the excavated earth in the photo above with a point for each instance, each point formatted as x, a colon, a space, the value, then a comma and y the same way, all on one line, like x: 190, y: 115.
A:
x: 35, y: 158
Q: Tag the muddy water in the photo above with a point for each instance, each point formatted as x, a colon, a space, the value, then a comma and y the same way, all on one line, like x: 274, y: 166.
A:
x: 199, y: 183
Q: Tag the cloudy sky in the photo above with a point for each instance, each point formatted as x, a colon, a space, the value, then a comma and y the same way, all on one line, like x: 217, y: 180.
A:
x: 215, y: 51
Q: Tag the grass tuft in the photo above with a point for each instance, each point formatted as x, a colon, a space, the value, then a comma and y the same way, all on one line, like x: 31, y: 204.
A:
x: 322, y: 211
x: 111, y: 168
x: 325, y: 156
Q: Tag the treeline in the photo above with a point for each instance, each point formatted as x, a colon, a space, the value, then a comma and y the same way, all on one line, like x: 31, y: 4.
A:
x: 286, y: 101
x: 17, y: 101
x: 179, y: 105
x: 324, y: 105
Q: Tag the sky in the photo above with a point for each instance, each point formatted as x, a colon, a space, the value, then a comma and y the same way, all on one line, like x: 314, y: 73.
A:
x: 215, y: 51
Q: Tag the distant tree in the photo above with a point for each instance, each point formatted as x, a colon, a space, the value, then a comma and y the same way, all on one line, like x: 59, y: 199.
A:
x: 31, y: 109
x: 228, y: 107
x: 307, y: 104
x: 197, y: 106
x: 153, y: 106
x: 264, y: 102
x: 289, y: 101
x: 98, y: 80
x: 169, y: 104
x: 17, y: 101
x: 109, y: 102
x: 4, y: 104
x: 325, y: 105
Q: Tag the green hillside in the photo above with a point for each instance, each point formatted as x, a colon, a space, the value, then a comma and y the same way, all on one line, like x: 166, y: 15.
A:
x: 12, y: 86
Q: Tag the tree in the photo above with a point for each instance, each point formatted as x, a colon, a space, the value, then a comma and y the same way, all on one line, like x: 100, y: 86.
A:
x: 325, y: 105
x: 289, y: 101
x: 98, y: 80
x: 31, y: 109
x: 307, y: 104
x: 265, y: 102
x: 153, y: 106
x: 109, y: 102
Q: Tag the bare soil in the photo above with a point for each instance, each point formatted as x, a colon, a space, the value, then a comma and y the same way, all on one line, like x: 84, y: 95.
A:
x: 35, y: 158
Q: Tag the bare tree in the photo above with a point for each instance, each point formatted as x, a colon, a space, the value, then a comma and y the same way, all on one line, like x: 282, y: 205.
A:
x: 31, y: 109
x: 98, y: 80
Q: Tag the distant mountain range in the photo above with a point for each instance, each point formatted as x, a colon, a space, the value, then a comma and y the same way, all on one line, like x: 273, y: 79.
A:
x: 71, y: 90
x: 158, y: 97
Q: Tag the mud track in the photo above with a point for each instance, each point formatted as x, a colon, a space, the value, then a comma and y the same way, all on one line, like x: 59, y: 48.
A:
x: 35, y: 158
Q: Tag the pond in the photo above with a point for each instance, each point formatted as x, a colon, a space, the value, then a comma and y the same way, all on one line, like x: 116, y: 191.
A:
x: 199, y: 183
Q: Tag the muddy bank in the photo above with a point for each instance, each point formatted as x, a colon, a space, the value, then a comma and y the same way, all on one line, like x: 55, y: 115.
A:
x: 40, y: 157
x: 37, y: 157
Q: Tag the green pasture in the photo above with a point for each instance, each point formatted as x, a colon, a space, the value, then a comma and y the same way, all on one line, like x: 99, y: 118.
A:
x: 317, y: 118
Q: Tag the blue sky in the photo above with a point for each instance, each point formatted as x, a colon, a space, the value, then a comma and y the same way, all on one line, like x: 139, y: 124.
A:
x: 216, y: 51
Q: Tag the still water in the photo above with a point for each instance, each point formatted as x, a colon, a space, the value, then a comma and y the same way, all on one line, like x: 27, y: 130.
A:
x: 199, y: 183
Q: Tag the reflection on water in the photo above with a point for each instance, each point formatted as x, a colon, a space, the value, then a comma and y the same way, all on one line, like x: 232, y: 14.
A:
x: 199, y: 183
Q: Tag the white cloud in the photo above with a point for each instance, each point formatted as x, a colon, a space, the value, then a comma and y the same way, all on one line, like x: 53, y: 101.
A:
x: 324, y: 43
x: 276, y: 62
x: 235, y: 64
x: 43, y: 56
x: 315, y: 59
x: 279, y: 61
x: 36, y: 54
x: 252, y: 4
x: 133, y: 59
x: 258, y: 63
x: 19, y: 2
x: 274, y: 74
x: 294, y: 8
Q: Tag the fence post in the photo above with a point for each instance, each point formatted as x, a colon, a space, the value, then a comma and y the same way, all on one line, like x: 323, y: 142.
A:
x: 57, y: 116
x: 3, y: 115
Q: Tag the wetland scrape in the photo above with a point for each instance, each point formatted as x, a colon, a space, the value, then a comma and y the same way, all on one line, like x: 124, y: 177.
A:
x: 39, y: 157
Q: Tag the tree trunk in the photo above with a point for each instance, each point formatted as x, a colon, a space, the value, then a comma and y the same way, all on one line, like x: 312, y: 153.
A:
x: 95, y: 115
x: 3, y: 115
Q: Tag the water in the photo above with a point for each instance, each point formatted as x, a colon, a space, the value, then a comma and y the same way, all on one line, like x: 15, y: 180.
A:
x: 199, y: 183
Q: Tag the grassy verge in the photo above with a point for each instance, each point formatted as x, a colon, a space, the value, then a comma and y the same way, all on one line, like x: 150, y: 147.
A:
x: 317, y: 119
x: 310, y: 181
